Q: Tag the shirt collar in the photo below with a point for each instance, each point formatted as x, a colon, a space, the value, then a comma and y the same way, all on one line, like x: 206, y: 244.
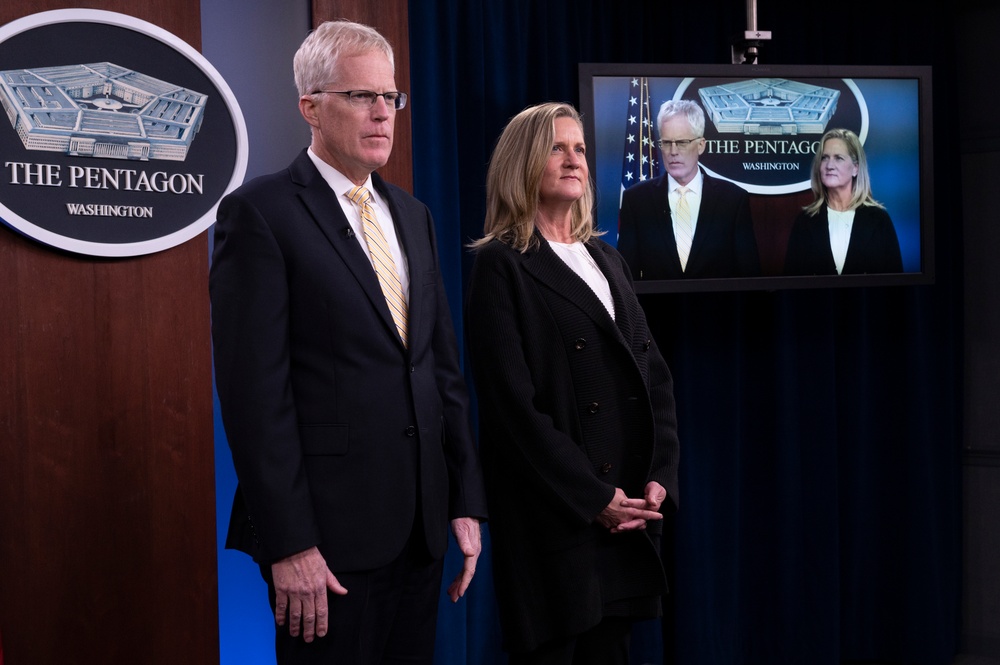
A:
x: 694, y: 186
x: 338, y: 182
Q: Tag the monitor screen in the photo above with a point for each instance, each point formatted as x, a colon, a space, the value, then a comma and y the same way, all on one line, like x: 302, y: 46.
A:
x: 758, y: 221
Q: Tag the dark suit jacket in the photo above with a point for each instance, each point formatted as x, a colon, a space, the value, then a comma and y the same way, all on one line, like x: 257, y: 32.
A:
x: 572, y: 404
x: 873, y: 248
x: 336, y: 428
x: 723, y: 246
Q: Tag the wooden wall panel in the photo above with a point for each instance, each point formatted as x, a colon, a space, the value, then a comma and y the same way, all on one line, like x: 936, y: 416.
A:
x: 391, y: 18
x: 107, y: 509
x: 773, y: 217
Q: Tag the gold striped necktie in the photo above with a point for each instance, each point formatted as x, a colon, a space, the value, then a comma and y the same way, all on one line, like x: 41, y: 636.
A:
x: 385, y: 267
x: 682, y: 227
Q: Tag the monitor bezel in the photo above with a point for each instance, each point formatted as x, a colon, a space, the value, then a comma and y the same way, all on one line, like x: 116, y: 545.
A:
x: 590, y: 71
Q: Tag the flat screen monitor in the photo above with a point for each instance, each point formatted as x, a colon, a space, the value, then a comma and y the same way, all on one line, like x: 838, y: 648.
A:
x: 763, y: 127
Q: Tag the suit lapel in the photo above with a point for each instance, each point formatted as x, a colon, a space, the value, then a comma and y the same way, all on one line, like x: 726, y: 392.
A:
x: 665, y: 232
x: 703, y: 225
x: 554, y: 274
x: 821, y: 243
x: 617, y: 281
x: 861, y: 237
x: 705, y: 214
x: 322, y: 204
x: 415, y: 259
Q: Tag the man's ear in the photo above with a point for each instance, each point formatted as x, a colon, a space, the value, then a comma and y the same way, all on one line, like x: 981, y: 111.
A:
x: 307, y: 107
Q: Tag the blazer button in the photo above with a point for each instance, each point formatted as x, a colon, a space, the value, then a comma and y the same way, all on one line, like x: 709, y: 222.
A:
x: 606, y: 467
x: 580, y: 344
x: 410, y: 431
x: 594, y: 407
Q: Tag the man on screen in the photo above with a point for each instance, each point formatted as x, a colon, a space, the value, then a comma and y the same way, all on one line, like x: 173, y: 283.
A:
x: 686, y: 224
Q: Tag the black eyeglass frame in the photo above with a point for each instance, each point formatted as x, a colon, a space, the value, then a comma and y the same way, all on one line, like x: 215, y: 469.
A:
x: 682, y: 144
x: 393, y: 98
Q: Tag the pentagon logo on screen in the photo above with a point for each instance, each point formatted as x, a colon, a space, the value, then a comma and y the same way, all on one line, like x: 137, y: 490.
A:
x: 769, y: 106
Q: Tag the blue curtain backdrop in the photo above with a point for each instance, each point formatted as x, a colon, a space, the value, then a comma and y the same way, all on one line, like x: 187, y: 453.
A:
x: 820, y: 429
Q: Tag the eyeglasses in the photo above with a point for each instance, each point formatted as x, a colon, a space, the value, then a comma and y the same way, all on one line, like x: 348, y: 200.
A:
x: 682, y: 144
x: 364, y: 99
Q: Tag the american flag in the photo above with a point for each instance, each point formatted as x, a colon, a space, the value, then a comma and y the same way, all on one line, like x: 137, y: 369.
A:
x: 640, y: 157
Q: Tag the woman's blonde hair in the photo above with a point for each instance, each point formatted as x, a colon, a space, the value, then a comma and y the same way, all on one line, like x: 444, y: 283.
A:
x: 861, y: 188
x: 514, y: 179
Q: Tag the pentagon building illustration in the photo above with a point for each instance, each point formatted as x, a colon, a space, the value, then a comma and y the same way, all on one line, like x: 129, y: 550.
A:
x: 769, y: 106
x: 101, y: 110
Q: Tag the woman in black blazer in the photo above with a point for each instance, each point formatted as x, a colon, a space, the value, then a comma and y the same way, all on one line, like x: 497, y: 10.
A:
x: 577, y: 424
x: 844, y: 230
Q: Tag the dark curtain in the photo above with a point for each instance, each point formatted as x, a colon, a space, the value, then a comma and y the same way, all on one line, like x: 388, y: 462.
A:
x: 820, y: 429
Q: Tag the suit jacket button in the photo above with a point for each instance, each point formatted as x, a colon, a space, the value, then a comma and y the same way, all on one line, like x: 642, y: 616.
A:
x: 606, y: 467
x: 594, y: 407
x: 580, y: 344
x: 410, y: 431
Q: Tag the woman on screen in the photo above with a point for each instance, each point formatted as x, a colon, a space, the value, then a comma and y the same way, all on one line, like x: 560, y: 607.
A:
x: 578, y: 432
x: 844, y: 231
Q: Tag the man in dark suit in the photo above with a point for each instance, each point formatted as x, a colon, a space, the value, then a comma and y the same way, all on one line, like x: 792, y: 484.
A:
x: 686, y: 224
x: 338, y: 376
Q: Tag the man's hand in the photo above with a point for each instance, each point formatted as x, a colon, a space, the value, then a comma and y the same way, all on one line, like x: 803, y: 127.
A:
x: 300, y: 584
x: 625, y: 514
x: 466, y: 530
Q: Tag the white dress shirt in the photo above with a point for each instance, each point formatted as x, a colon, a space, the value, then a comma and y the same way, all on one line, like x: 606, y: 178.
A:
x: 340, y: 184
x: 693, y: 197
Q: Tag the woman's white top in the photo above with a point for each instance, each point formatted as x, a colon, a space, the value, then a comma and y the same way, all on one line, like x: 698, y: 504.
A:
x: 840, y: 223
x: 576, y: 256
